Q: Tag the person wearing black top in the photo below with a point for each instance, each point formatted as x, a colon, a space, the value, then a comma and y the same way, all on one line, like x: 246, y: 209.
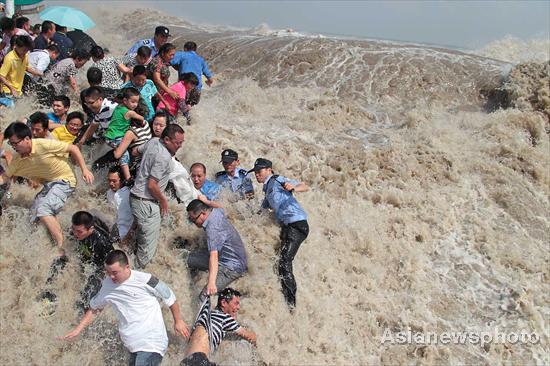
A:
x: 93, y: 245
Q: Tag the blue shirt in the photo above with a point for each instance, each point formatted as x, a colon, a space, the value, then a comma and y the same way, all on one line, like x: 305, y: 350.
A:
x: 189, y: 61
x: 287, y: 209
x: 211, y: 190
x: 53, y: 117
x: 240, y: 183
x: 144, y: 42
x: 222, y: 237
x: 147, y: 92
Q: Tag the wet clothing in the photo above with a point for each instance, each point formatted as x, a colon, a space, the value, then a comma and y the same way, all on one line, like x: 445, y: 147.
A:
x: 240, y: 183
x: 292, y: 236
x: 111, y: 76
x: 156, y: 163
x: 211, y: 190
x: 145, y: 359
x: 121, y: 201
x: 13, y: 70
x: 144, y: 42
x: 221, y: 236
x: 93, y: 250
x: 103, y: 118
x: 47, y: 162
x: 196, y: 359
x: 39, y: 60
x: 62, y: 134
x: 58, y: 76
x: 172, y: 106
x: 119, y: 124
x: 64, y: 43
x: 51, y: 199
x: 216, y: 322
x: 189, y: 61
x: 147, y: 93
x: 294, y: 229
x: 158, y: 65
x: 135, y: 302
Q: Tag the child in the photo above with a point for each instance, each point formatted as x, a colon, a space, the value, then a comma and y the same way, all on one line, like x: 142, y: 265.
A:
x: 120, y: 122
x: 60, y: 107
x: 68, y: 133
x: 146, y: 88
x: 186, y: 83
x: 119, y: 197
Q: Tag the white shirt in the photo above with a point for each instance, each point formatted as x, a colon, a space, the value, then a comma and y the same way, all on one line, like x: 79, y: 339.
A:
x: 140, y: 323
x: 121, y: 201
x: 185, y: 190
x: 39, y: 60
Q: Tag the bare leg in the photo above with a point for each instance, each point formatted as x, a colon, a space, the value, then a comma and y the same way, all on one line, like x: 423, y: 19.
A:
x: 54, y: 228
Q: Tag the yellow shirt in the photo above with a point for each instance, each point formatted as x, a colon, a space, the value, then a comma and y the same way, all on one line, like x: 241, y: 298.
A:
x: 62, y: 134
x: 13, y: 69
x: 47, y: 162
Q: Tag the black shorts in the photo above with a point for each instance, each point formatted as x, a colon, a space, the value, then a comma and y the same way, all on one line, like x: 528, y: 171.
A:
x: 196, y: 359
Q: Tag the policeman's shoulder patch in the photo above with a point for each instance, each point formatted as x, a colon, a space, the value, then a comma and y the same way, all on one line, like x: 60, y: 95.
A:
x: 146, y: 41
x: 222, y: 173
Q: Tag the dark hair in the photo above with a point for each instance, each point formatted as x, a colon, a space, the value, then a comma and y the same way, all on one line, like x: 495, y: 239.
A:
x: 116, y: 256
x: 46, y: 26
x: 93, y: 92
x: 7, y: 24
x: 22, y: 41
x: 63, y: 99
x: 60, y: 28
x: 80, y: 54
x: 227, y: 294
x: 144, y: 51
x: 17, y: 129
x: 165, y: 48
x: 189, y: 77
x: 199, y: 164
x: 162, y: 114
x: 53, y: 48
x: 39, y: 117
x: 171, y: 130
x: 20, y: 22
x: 116, y: 169
x: 36, y: 28
x: 196, y: 206
x: 97, y: 52
x: 83, y: 218
x: 129, y: 92
x: 190, y: 46
x: 94, y: 76
x: 76, y: 114
x: 139, y: 70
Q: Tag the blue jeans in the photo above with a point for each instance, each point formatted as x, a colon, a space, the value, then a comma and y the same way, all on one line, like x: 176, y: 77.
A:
x: 125, y: 158
x: 7, y: 101
x: 141, y: 358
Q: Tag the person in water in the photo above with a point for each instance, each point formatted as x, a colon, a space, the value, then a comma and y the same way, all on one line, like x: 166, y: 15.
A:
x: 212, y: 326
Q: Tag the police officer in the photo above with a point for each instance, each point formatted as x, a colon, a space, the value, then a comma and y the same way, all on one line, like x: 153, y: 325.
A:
x: 289, y: 214
x: 233, y: 177
x: 160, y: 38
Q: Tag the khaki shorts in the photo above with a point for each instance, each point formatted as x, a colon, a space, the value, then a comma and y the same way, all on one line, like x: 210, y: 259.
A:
x: 51, y: 199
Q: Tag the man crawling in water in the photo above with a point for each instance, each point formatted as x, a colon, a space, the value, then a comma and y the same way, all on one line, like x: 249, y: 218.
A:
x: 212, y: 326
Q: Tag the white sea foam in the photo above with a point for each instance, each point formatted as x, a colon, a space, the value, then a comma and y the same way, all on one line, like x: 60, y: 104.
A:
x: 426, y: 213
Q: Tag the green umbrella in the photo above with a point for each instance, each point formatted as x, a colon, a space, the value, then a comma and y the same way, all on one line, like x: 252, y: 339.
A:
x: 24, y: 2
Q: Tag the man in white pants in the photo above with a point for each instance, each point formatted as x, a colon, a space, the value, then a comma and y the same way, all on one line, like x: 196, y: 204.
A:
x: 134, y: 295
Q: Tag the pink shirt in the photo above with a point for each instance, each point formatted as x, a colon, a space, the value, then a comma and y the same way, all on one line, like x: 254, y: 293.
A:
x: 173, y: 105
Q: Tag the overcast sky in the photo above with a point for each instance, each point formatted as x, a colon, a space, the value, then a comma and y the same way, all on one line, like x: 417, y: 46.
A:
x: 465, y: 24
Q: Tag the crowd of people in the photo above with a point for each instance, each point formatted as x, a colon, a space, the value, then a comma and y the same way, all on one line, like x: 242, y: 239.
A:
x: 131, y: 113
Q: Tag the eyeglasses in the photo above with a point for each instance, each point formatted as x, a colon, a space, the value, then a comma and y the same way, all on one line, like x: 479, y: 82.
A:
x: 228, y: 293
x: 194, y: 220
x: 14, y: 143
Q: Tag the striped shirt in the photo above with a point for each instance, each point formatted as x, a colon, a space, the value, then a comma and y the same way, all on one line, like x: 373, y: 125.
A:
x: 216, y: 322
x: 143, y: 134
x: 104, y: 116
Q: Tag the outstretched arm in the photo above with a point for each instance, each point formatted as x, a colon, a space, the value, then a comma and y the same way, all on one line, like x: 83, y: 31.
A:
x: 300, y: 187
x: 77, y: 156
x: 84, y: 322
x: 247, y: 334
x: 179, y: 325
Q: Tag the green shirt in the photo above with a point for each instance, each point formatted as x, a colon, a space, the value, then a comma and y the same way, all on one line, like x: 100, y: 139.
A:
x: 118, y: 125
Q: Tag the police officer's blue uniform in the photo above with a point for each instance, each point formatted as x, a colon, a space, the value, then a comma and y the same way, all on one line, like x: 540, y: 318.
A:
x: 240, y: 183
